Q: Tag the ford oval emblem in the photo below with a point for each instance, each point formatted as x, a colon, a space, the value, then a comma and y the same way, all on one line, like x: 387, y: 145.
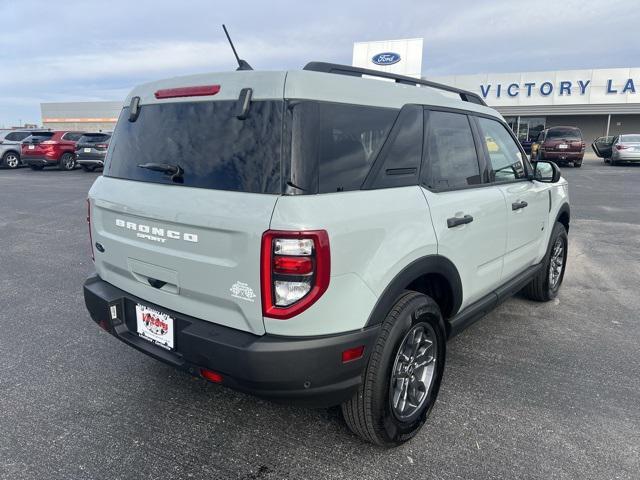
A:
x: 386, y: 58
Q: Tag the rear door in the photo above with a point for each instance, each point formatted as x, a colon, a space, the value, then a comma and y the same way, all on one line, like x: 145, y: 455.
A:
x: 468, y: 216
x: 527, y: 201
x: 190, y: 242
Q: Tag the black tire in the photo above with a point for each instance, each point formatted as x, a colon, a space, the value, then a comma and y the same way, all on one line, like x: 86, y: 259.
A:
x: 541, y: 288
x: 36, y: 167
x: 67, y: 161
x: 87, y: 168
x: 369, y: 413
x: 577, y: 164
x: 11, y: 160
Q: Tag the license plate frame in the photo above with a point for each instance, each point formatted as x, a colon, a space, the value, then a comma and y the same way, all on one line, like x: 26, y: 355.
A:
x: 31, y: 147
x: 87, y: 150
x: 155, y: 327
x: 563, y: 146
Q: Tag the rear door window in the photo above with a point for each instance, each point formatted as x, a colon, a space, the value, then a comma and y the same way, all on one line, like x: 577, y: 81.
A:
x: 215, y: 149
x: 506, y: 162
x: 399, y: 162
x: 450, y: 152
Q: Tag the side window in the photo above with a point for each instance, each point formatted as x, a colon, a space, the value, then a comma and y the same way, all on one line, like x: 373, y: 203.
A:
x: 504, y: 154
x: 399, y: 161
x: 450, y: 152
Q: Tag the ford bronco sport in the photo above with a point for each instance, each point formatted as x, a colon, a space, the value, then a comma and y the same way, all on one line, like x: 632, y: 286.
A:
x: 315, y: 236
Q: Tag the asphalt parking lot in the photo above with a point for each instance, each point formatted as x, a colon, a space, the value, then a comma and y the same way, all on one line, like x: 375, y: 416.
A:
x: 531, y: 391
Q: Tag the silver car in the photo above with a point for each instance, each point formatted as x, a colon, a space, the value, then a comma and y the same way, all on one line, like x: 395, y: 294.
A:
x: 626, y: 148
x: 10, y: 144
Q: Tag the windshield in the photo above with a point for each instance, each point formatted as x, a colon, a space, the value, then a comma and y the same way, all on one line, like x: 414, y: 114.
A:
x: 564, y: 133
x: 206, y: 139
x: 630, y: 138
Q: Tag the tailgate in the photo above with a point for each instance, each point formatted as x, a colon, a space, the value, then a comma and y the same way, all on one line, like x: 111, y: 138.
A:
x: 192, y: 250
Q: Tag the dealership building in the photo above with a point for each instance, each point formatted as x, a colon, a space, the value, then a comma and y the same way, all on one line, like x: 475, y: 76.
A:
x: 600, y: 102
x: 80, y: 116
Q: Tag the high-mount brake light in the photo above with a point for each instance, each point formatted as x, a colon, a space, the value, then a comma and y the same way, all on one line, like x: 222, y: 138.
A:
x: 295, y: 270
x: 198, y: 91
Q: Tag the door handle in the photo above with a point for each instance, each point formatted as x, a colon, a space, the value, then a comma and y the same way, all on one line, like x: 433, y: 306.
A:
x: 455, y: 221
x: 518, y: 205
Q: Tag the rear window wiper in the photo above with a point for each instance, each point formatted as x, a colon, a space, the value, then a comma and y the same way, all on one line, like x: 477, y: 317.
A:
x: 176, y: 171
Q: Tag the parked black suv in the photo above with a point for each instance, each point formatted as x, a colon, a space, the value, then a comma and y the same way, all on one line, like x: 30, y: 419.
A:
x: 91, y: 150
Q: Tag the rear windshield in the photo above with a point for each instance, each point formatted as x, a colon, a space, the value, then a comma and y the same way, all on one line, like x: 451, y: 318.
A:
x: 215, y: 149
x: 630, y: 138
x: 94, y: 138
x: 564, y: 133
x: 41, y: 136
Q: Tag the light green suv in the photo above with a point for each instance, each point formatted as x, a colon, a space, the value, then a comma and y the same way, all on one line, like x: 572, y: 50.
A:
x: 316, y: 236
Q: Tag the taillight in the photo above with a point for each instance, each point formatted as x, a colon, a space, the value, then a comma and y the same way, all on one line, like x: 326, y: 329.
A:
x: 295, y: 270
x: 89, y: 223
x: 622, y: 147
x: 101, y: 146
x: 199, y: 91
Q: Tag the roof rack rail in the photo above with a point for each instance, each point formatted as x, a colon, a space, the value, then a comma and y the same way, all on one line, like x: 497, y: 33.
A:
x: 338, y: 69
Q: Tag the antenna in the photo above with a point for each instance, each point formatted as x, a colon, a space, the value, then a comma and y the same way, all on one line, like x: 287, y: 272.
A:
x: 242, y: 65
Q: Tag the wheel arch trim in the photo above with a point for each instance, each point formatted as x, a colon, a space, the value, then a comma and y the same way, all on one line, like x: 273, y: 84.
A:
x: 437, y: 264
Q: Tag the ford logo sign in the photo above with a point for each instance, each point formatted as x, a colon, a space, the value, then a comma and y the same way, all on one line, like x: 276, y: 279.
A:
x: 386, y: 58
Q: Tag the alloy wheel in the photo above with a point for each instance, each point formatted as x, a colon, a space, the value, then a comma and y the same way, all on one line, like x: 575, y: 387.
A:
x: 556, y: 263
x: 413, y: 372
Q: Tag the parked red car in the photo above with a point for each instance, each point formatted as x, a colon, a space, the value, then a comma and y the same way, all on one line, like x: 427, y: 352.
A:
x: 56, y: 148
x: 559, y: 144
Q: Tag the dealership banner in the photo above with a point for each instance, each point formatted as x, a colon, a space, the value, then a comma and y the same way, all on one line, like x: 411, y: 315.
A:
x: 598, y: 86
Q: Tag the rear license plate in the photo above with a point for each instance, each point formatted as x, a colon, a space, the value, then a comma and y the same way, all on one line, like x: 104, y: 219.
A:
x: 87, y: 150
x: 31, y: 147
x: 563, y: 146
x: 154, y: 326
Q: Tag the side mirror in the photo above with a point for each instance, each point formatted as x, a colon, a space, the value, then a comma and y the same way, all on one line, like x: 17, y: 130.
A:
x: 547, y: 172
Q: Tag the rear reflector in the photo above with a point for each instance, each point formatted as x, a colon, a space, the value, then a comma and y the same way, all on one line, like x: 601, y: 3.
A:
x: 198, y: 91
x: 210, y: 375
x: 292, y: 265
x: 352, y: 354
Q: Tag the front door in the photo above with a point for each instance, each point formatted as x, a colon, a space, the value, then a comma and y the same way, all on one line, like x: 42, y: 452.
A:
x: 527, y: 201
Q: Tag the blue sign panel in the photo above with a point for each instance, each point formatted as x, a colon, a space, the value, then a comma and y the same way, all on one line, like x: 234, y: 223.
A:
x: 385, y: 58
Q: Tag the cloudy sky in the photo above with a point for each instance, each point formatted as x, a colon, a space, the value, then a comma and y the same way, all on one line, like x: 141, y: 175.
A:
x: 76, y: 50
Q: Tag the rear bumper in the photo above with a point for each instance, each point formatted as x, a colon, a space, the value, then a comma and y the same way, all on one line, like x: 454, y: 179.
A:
x: 307, y: 370
x: 563, y: 156
x: 41, y: 161
x: 91, y: 162
x: 626, y: 157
